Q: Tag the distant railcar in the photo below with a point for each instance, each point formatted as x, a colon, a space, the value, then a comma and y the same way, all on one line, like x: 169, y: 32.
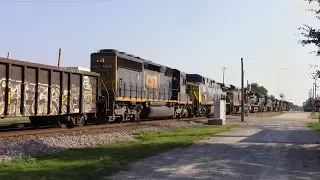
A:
x: 203, y: 90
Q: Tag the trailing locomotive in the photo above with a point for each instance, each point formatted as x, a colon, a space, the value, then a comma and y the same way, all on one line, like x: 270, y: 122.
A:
x: 258, y: 102
x: 119, y: 87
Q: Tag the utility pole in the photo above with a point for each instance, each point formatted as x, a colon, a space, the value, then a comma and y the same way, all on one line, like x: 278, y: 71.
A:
x: 223, y: 70
x: 315, y: 88
x: 8, y: 55
x: 59, y: 57
x: 242, y: 92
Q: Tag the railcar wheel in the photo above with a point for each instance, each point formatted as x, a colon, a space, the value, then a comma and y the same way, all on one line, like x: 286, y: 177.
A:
x: 122, y: 118
x: 61, y: 122
x: 185, y: 114
x: 72, y: 122
x: 80, y: 120
x: 133, y: 118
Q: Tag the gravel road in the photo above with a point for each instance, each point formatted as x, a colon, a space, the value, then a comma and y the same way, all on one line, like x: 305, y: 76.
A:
x: 275, y: 148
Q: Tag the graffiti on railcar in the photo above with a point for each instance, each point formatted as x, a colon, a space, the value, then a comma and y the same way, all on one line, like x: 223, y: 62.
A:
x: 87, y: 95
x: 2, y: 97
x: 14, y: 101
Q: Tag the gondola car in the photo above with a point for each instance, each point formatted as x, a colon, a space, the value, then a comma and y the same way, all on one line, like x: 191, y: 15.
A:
x: 47, y: 94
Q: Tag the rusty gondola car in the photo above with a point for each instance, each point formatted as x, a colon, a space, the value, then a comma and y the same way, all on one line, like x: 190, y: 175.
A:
x: 47, y: 94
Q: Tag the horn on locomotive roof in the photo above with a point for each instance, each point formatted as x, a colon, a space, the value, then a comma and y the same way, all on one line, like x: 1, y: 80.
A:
x: 108, y: 50
x: 123, y: 53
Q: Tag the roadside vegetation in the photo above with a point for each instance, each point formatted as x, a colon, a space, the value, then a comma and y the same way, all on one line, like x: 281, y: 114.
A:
x: 102, y: 161
x: 314, y: 116
x: 314, y: 126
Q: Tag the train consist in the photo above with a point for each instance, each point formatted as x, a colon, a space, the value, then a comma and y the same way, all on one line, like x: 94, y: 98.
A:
x: 118, y: 87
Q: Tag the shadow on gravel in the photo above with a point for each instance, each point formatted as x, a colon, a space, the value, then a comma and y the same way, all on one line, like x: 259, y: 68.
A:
x: 223, y: 161
x: 284, y: 136
x: 204, y: 161
x: 80, y: 164
x: 29, y: 147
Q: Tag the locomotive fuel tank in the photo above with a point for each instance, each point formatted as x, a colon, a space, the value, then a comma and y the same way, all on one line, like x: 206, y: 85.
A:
x: 157, y: 110
x: 160, y: 111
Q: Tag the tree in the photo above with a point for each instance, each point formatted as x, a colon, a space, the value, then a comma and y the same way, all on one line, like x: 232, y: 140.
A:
x: 255, y: 88
x: 311, y: 34
x: 281, y: 95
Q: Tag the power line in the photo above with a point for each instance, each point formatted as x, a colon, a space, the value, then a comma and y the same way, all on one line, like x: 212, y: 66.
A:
x: 283, y: 68
x: 50, y: 1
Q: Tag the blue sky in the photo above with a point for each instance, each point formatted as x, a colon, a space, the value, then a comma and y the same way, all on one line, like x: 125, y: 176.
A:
x: 195, y: 36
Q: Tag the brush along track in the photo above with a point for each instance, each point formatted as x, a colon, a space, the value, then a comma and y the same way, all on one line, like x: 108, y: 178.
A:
x: 22, y: 132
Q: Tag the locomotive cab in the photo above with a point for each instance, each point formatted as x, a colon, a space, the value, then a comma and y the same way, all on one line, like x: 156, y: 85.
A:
x: 138, y: 88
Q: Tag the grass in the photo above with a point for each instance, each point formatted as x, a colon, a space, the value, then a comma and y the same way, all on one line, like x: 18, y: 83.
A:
x: 314, y: 126
x: 14, y: 120
x: 314, y: 116
x: 267, y: 114
x: 102, y: 161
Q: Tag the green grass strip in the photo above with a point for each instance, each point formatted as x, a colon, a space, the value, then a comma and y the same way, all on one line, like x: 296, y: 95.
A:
x: 98, y: 162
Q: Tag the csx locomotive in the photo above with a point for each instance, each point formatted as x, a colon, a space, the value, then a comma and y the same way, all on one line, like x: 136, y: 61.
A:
x: 134, y: 88
x: 120, y: 87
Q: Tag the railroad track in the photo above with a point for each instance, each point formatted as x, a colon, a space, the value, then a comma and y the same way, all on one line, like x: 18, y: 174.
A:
x: 29, y: 130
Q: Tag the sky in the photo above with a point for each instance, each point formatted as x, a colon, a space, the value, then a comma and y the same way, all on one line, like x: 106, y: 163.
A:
x: 195, y: 36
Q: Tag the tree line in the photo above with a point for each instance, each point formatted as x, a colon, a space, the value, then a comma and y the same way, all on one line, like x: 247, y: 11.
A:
x: 312, y: 35
x: 256, y: 88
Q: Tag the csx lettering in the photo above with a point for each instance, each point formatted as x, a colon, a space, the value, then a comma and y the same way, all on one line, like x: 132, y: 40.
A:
x: 152, y: 81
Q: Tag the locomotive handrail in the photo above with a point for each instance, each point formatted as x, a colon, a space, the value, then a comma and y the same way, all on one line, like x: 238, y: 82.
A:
x: 106, y: 91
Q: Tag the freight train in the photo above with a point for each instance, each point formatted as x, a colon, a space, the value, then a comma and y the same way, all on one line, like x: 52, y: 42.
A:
x: 118, y: 87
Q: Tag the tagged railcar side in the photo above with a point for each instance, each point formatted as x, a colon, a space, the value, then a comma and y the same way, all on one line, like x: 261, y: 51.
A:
x: 31, y: 89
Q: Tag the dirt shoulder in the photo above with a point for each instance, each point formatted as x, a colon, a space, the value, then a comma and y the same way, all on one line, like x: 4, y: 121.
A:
x: 275, y: 148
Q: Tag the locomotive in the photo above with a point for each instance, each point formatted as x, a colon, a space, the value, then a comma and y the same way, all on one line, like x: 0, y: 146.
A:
x: 258, y: 102
x: 119, y: 87
x: 134, y: 88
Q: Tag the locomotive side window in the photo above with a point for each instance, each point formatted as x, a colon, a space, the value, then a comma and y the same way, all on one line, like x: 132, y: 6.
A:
x: 223, y: 96
x: 188, y: 89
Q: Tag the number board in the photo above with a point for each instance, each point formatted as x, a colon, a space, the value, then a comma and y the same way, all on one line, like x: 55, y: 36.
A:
x: 103, y: 66
x: 107, y: 66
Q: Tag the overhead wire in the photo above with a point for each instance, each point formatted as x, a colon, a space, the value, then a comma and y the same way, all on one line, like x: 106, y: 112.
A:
x: 50, y: 1
x: 275, y: 67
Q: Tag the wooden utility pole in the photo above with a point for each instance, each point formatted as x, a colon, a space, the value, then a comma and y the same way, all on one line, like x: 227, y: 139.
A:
x: 8, y: 55
x: 242, y: 92
x: 223, y: 70
x: 59, y: 57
